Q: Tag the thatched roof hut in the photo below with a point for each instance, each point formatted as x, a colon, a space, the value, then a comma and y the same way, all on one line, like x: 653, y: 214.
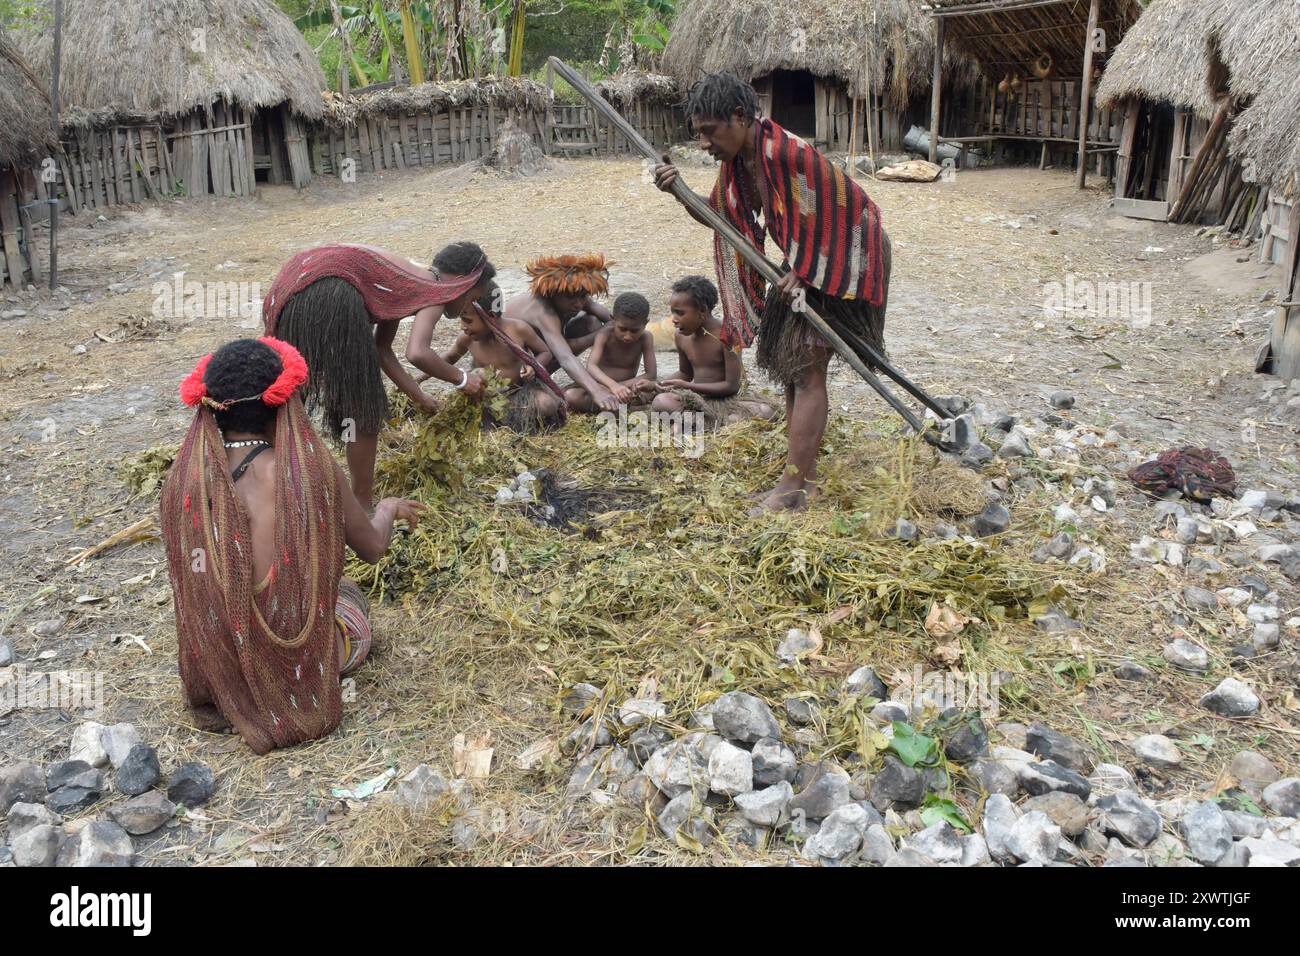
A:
x: 1189, y: 53
x: 143, y: 59
x: 834, y: 40
x: 26, y: 137
x: 1191, y: 58
x: 810, y: 62
x: 220, y: 87
x: 1212, y: 93
x: 1164, y: 58
x: 25, y: 126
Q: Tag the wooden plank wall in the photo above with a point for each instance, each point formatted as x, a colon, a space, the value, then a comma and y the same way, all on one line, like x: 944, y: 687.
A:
x: 464, y: 134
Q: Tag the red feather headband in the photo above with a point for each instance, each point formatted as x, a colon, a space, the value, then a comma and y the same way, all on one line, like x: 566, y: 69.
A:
x: 194, y: 390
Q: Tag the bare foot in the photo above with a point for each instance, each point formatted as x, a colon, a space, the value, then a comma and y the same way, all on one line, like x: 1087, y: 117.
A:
x: 210, y: 720
x: 795, y: 499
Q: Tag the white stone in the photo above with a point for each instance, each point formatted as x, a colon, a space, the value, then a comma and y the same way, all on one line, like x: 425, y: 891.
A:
x: 731, y: 770
x: 1157, y: 750
x: 88, y: 744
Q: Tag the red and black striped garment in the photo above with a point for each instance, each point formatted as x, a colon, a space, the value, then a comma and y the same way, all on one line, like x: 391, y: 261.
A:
x: 826, y: 225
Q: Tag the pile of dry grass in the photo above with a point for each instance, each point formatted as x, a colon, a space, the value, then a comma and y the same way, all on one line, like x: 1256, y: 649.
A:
x: 659, y: 571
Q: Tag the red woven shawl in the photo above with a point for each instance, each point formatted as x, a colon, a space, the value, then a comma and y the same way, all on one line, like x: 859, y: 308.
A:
x: 392, y: 287
x: 826, y: 225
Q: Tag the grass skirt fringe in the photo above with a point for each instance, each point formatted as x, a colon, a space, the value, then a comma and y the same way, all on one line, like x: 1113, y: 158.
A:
x: 529, y: 409
x: 328, y: 323
x: 786, y: 339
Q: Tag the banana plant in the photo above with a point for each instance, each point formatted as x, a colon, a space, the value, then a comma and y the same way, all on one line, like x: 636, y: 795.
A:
x: 517, y: 21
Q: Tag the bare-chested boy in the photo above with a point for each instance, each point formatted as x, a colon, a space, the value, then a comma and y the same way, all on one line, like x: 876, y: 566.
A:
x: 561, y: 308
x: 532, y: 405
x: 621, y: 348
x: 709, y: 373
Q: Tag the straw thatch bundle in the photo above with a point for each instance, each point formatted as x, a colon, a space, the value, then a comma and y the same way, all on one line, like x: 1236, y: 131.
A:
x: 1165, y: 57
x: 833, y: 39
x: 500, y: 91
x: 1186, y: 52
x: 1260, y: 42
x: 622, y: 89
x: 143, y: 59
x: 25, y: 133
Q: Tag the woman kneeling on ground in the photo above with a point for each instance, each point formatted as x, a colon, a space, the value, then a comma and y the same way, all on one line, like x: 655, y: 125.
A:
x: 255, y: 514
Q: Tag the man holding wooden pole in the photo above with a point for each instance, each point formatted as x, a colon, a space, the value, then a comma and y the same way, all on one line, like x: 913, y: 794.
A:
x: 837, y: 259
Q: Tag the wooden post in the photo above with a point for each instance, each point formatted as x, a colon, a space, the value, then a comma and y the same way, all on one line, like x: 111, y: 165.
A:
x: 1123, y: 159
x: 9, y: 226
x: 1086, y: 95
x: 1286, y: 322
x: 939, y: 29
x: 55, y: 62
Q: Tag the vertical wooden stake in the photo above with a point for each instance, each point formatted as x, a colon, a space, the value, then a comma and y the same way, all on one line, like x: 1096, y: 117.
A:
x: 1086, y: 96
x: 939, y: 30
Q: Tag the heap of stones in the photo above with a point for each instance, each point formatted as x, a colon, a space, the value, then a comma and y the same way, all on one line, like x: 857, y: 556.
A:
x: 738, y: 775
x: 50, y: 816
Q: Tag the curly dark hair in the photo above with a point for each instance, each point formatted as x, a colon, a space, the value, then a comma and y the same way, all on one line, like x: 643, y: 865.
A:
x: 632, y: 306
x: 719, y: 95
x: 239, y: 369
x: 462, y: 258
x: 703, y: 293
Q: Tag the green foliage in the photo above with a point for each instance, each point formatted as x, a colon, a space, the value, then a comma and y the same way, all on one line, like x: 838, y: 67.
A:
x: 938, y: 810
x: 913, y: 747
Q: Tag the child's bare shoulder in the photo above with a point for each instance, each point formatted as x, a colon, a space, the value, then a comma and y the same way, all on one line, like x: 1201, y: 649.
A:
x: 517, y: 329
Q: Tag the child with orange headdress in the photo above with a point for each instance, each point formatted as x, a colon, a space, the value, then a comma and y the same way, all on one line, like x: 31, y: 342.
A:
x: 560, y: 305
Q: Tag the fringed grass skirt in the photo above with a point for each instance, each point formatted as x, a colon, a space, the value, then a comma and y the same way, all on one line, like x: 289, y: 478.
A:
x: 786, y: 339
x: 328, y: 323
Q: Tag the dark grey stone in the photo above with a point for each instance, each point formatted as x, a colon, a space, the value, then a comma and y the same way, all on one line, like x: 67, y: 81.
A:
x: 1053, y: 745
x: 67, y: 800
x: 139, y: 771
x: 1048, y: 776
x: 193, y: 785
x: 774, y: 762
x: 994, y: 519
x: 21, y: 783
x: 1132, y: 670
x: 822, y: 788
x: 744, y: 718
x: 1127, y: 816
x: 64, y: 772
x: 897, y: 786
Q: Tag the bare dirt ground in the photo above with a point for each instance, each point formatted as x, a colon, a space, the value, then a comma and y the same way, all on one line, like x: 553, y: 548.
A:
x: 966, y: 316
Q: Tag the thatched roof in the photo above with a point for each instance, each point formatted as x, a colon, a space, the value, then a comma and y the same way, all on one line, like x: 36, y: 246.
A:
x: 25, y: 133
x: 624, y: 88
x: 1008, y: 36
x: 142, y: 59
x: 1165, y: 57
x: 1185, y: 52
x: 500, y: 91
x: 831, y: 39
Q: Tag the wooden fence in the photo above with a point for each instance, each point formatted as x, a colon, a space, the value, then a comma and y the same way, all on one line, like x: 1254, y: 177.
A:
x: 464, y: 134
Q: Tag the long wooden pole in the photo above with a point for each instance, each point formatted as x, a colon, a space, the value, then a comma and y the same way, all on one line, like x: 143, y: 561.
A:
x: 55, y: 59
x: 705, y: 213
x: 1085, y: 98
x: 935, y: 87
